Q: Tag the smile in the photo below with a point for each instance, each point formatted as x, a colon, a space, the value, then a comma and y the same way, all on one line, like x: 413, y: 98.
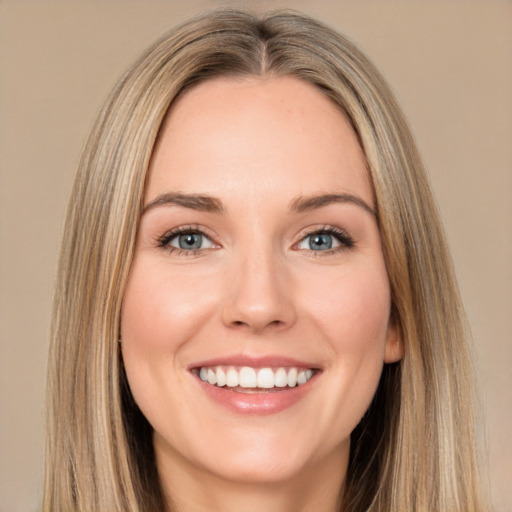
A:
x: 247, y: 378
x: 256, y: 385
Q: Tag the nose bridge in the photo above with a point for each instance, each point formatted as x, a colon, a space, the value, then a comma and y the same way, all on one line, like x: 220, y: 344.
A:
x: 259, y: 290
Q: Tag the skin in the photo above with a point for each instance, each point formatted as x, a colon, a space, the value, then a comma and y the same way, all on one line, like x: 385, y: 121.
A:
x: 256, y: 287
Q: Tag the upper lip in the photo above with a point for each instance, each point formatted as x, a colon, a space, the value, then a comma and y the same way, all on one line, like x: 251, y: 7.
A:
x: 269, y: 361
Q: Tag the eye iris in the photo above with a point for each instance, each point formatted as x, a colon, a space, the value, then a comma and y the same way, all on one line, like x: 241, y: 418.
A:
x: 320, y: 241
x: 190, y: 241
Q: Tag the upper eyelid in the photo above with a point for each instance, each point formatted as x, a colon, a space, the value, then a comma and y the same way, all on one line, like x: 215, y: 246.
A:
x: 179, y: 230
x: 326, y: 228
x: 336, y: 231
x: 189, y: 228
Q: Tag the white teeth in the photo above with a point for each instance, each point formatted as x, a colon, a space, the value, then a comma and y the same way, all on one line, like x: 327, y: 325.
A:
x: 292, y: 377
x: 265, y: 378
x: 247, y: 377
x: 281, y: 379
x: 212, y: 378
x: 231, y: 378
x: 221, y: 377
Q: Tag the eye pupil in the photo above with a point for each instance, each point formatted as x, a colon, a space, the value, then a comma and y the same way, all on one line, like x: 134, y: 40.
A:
x: 190, y: 241
x: 320, y: 241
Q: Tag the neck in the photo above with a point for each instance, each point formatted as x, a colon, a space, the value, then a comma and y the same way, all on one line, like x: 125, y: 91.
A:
x: 188, y: 488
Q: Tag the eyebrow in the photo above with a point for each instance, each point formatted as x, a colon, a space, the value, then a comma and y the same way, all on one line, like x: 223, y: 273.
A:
x: 198, y: 202
x: 302, y: 204
x: 211, y: 204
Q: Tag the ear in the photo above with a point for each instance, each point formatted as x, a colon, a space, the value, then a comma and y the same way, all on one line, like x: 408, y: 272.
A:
x: 394, y: 351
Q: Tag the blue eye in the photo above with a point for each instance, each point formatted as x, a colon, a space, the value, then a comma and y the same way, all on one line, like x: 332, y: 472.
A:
x: 320, y: 241
x: 186, y: 240
x: 326, y: 240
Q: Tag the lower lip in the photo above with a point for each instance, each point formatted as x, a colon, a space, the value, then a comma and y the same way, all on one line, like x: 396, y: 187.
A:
x: 262, y: 402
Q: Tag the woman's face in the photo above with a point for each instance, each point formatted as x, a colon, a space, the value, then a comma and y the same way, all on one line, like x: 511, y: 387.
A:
x: 255, y: 323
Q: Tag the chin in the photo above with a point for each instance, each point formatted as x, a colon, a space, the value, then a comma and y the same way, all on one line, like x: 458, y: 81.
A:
x: 268, y: 459
x: 256, y: 470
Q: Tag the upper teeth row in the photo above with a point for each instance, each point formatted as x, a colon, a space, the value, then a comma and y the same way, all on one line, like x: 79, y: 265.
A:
x: 247, y: 377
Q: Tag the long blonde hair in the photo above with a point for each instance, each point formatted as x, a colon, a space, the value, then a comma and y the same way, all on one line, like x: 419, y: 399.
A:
x: 415, y: 448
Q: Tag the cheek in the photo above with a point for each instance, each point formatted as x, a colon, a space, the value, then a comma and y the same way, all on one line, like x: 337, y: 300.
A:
x: 351, y: 312
x: 160, y: 313
x: 352, y: 309
x: 161, y: 309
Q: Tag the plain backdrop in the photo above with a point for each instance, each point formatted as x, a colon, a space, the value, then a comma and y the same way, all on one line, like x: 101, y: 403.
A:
x: 450, y: 64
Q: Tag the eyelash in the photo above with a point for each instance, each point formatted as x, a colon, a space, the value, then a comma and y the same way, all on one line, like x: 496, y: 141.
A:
x: 346, y: 241
x: 163, y: 242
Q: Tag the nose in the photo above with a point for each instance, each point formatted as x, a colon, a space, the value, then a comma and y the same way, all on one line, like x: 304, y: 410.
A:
x: 259, y: 295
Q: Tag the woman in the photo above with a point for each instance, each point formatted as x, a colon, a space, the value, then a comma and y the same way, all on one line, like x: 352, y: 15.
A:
x: 255, y: 307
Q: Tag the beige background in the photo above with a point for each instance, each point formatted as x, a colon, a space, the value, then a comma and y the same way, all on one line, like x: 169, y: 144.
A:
x: 450, y: 63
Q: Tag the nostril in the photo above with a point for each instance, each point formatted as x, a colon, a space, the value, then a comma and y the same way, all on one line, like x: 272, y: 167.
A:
x: 271, y: 324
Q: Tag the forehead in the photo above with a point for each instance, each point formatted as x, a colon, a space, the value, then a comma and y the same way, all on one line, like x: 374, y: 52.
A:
x: 257, y: 134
